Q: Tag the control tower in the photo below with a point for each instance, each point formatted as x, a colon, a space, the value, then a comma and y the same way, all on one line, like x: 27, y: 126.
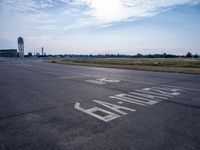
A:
x: 21, y: 47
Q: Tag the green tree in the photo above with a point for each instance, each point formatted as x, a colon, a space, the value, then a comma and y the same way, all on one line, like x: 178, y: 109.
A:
x: 188, y: 55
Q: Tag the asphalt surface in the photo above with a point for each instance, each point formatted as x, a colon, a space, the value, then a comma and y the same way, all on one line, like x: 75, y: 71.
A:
x: 51, y: 107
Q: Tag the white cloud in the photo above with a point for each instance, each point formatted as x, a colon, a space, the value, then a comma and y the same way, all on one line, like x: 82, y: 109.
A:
x: 106, y: 12
x: 84, y: 12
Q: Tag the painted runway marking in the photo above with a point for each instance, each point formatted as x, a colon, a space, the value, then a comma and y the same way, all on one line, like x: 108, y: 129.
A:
x: 91, y: 111
x: 102, y: 81
x: 79, y: 76
x: 169, y: 86
x: 127, y: 98
x: 147, y: 90
x: 114, y: 107
x: 95, y: 81
x: 148, y: 96
x: 145, y: 97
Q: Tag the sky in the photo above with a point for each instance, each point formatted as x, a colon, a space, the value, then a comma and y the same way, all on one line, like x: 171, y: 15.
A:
x: 101, y: 26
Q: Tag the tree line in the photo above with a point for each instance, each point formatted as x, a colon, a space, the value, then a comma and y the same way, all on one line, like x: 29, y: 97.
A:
x: 164, y: 55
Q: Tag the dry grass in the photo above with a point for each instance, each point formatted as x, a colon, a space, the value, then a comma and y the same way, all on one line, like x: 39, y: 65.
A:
x: 179, y: 65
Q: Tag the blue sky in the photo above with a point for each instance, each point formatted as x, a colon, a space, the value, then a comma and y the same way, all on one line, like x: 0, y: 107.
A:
x: 101, y: 26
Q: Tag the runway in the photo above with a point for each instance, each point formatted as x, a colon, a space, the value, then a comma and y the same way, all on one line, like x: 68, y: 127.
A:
x: 65, y: 107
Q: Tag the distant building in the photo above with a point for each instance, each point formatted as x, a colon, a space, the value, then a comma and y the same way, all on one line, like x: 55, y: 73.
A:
x: 37, y: 54
x: 8, y: 52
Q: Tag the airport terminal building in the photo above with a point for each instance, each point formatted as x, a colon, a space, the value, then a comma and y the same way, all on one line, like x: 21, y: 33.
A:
x: 8, y: 52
